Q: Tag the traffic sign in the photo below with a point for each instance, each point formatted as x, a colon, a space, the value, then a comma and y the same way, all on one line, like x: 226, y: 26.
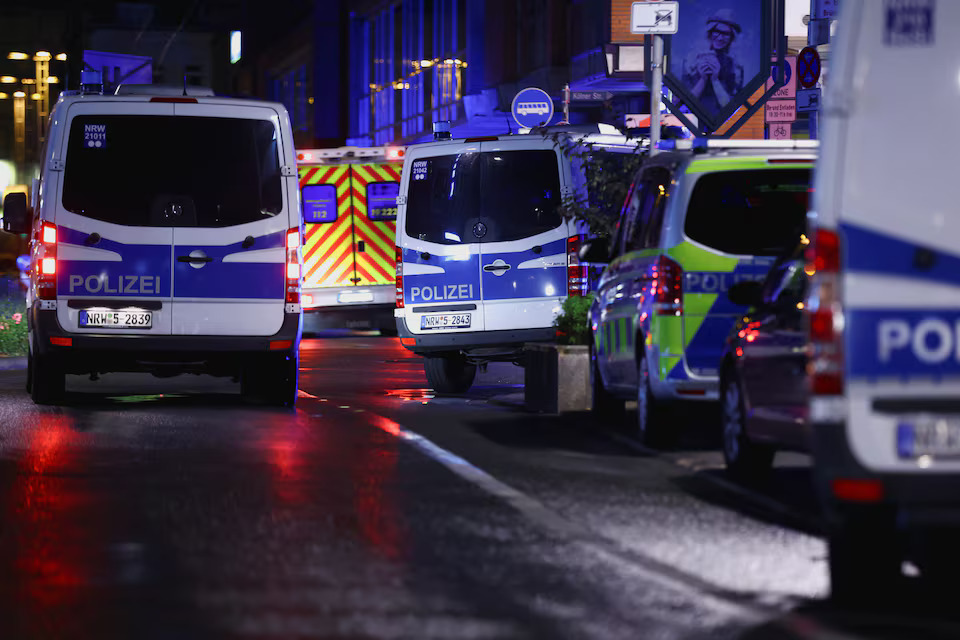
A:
x: 789, y: 89
x: 808, y: 67
x: 590, y: 96
x: 808, y: 100
x: 654, y: 17
x: 532, y: 107
x: 780, y: 110
x: 779, y: 131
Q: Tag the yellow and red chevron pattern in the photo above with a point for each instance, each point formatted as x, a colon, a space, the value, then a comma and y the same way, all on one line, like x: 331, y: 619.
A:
x: 376, y: 264
x: 328, y: 247
x: 330, y: 255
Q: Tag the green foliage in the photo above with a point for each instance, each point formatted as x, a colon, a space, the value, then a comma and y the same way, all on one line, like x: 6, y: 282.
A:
x: 571, y: 322
x: 607, y: 177
x: 13, y: 329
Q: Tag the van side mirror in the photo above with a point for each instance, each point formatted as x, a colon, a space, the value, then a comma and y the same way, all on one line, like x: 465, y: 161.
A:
x: 15, y: 219
x: 596, y: 250
x: 747, y: 293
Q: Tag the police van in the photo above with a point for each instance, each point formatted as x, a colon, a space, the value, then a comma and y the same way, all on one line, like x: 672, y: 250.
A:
x: 349, y: 197
x: 701, y: 216
x: 166, y: 238
x: 484, y: 258
x: 884, y: 301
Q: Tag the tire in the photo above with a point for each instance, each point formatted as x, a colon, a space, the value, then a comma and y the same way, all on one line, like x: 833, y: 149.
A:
x: 29, y: 385
x: 47, y: 380
x: 449, y: 373
x: 746, y: 460
x: 864, y: 561
x: 605, y: 406
x: 650, y: 429
x: 275, y: 380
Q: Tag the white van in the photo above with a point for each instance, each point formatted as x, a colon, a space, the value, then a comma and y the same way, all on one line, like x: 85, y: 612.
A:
x: 884, y: 302
x: 165, y: 238
x: 484, y: 258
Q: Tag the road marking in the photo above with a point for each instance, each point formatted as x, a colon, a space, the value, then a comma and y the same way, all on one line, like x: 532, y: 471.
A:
x: 717, y: 598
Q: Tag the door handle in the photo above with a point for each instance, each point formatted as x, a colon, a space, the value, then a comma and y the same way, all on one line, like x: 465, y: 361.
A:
x: 496, y: 267
x: 194, y: 259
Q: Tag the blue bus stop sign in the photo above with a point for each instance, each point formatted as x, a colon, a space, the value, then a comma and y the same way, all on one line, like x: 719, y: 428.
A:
x: 532, y: 107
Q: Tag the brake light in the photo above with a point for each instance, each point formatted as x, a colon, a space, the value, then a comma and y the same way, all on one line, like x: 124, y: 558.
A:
x: 576, y: 276
x: 857, y: 490
x: 293, y: 267
x: 825, y: 314
x: 667, y: 287
x: 399, y: 255
x: 47, y: 263
x: 395, y: 153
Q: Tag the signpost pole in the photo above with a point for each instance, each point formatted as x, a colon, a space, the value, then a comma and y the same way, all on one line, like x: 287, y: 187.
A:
x: 656, y: 90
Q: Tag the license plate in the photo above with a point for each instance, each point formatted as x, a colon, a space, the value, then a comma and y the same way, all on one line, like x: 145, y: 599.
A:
x: 929, y: 436
x: 120, y: 319
x: 445, y: 321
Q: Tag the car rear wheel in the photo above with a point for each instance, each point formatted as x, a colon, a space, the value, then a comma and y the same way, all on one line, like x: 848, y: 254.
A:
x: 650, y: 427
x: 47, y: 379
x: 745, y: 459
x: 604, y: 405
x: 449, y: 373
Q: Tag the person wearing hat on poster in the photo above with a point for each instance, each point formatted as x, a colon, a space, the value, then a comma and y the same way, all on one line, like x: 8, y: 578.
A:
x: 714, y: 76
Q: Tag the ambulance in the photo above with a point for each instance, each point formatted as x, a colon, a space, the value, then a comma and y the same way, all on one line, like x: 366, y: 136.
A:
x: 884, y: 301
x: 166, y: 239
x: 349, y: 197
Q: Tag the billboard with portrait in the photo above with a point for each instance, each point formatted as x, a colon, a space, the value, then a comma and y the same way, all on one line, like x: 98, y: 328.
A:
x: 720, y: 55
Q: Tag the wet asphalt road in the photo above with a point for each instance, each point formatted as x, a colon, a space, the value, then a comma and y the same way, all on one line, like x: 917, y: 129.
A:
x: 173, y: 508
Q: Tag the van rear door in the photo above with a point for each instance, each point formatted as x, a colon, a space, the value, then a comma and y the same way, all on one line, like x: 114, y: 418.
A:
x: 738, y: 222
x: 523, y: 238
x: 114, y: 257
x: 229, y: 211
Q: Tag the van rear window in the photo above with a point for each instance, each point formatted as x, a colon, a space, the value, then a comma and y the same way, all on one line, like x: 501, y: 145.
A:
x: 755, y: 212
x: 181, y: 171
x: 515, y: 194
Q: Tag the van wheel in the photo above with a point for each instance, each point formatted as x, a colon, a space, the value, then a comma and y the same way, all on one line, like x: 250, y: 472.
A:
x: 864, y: 561
x: 746, y: 460
x: 604, y: 405
x: 449, y: 373
x: 47, y: 380
x: 29, y: 384
x: 650, y: 428
x: 275, y: 380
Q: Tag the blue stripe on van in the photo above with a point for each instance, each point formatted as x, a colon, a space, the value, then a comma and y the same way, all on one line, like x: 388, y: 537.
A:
x: 459, y: 281
x: 239, y: 280
x: 143, y: 272
x: 879, y: 253
x: 540, y: 282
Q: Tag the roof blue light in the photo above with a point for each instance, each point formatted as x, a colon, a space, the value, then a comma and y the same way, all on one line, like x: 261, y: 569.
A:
x: 667, y: 145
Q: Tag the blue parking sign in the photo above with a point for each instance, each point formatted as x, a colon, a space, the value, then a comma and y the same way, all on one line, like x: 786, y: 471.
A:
x: 532, y: 107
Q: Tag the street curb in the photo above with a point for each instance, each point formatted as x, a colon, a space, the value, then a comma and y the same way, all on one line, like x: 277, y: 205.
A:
x: 7, y: 364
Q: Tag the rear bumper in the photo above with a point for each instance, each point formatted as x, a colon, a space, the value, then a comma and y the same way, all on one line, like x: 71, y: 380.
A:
x: 89, y: 353
x: 497, y: 343
x: 920, y: 499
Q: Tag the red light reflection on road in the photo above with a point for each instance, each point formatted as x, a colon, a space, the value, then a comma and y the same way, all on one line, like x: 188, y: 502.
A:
x: 375, y: 496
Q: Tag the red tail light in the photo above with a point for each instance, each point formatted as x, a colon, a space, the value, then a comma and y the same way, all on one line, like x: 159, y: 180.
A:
x: 826, y: 366
x: 47, y: 263
x: 399, y: 278
x: 576, y: 274
x: 293, y: 267
x: 667, y: 287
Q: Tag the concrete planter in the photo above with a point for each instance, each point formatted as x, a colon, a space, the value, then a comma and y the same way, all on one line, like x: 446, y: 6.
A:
x: 557, y: 378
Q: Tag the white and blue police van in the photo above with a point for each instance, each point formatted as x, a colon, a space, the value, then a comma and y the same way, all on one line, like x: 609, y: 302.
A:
x: 884, y: 301
x: 166, y: 238
x: 484, y: 257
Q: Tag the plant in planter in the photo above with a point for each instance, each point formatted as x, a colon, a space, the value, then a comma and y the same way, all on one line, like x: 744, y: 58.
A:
x: 557, y: 376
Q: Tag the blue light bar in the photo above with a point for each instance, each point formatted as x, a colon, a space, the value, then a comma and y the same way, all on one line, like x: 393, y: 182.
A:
x: 667, y: 145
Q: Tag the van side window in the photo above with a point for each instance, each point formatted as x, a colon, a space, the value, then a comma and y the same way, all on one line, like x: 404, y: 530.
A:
x: 645, y: 232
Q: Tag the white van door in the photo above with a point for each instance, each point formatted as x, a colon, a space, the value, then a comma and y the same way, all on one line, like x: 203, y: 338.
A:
x: 522, y: 237
x: 114, y: 259
x: 441, y: 254
x: 229, y: 209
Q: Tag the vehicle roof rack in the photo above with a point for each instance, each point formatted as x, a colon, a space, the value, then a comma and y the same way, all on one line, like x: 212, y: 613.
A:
x: 589, y: 127
x: 162, y: 90
x: 701, y: 145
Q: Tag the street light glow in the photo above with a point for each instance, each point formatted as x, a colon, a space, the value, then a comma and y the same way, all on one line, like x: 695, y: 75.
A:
x: 28, y: 81
x: 42, y: 55
x: 3, y: 96
x: 61, y: 56
x: 36, y: 96
x: 19, y: 94
x: 16, y: 55
x: 52, y: 79
x: 8, y: 80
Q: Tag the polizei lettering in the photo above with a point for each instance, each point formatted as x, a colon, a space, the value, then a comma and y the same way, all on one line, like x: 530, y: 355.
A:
x: 116, y: 285
x: 442, y: 292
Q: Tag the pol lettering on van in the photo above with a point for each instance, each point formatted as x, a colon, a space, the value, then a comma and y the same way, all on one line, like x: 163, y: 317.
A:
x: 896, y: 342
x: 117, y: 285
x: 442, y: 292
